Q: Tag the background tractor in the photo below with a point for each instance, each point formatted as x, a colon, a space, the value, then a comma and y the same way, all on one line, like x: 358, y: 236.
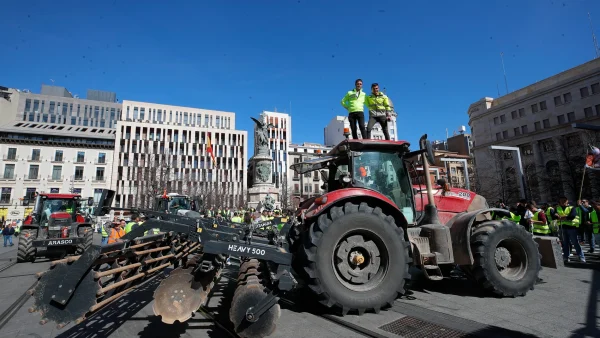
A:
x: 356, y: 242
x: 56, y: 225
x: 177, y: 204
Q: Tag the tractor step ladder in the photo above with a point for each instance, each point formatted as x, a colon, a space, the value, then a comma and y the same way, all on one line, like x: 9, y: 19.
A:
x: 432, y: 270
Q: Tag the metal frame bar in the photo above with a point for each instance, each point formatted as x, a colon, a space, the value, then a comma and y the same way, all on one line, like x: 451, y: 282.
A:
x: 585, y: 126
x: 519, y: 166
x: 466, y: 170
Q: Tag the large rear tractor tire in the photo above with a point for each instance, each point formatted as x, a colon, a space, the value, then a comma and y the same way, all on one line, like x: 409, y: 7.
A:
x: 26, y: 251
x: 356, y: 258
x: 88, y: 234
x: 507, y: 261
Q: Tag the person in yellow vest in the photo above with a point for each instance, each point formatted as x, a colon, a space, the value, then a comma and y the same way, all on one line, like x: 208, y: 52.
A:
x: 105, y: 230
x: 129, y: 226
x: 595, y: 220
x: 568, y: 221
x: 117, y: 232
x: 379, y: 110
x: 539, y: 223
x: 354, y: 103
x: 583, y: 211
x: 236, y: 218
x: 499, y: 215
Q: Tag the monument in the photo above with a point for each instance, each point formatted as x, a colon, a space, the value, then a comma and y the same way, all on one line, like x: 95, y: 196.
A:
x: 262, y: 191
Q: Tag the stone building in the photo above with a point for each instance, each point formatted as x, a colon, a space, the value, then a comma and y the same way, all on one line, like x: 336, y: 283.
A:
x: 538, y: 120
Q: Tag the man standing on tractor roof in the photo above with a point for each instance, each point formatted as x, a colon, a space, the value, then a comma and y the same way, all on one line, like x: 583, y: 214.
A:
x: 379, y: 110
x: 354, y: 102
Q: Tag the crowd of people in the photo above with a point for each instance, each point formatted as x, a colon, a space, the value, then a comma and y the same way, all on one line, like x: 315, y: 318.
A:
x: 574, y: 225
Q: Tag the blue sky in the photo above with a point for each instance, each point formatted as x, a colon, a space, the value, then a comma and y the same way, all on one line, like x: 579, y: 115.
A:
x: 434, y: 57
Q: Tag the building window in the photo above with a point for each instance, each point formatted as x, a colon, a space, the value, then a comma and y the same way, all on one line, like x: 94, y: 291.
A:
x: 537, y: 126
x: 36, y: 106
x: 557, y: 101
x: 78, y: 173
x: 588, y: 112
x: 595, y: 88
x: 5, y: 195
x: 567, y: 97
x: 513, y: 114
x: 9, y: 171
x: 524, y: 130
x: 27, y: 105
x: 498, y: 137
x: 142, y: 113
x: 543, y: 105
x: 598, y: 109
x: 58, y: 156
x: 534, y: 108
x: 571, y: 116
x: 80, y: 157
x: 12, y: 154
x: 100, y: 174
x: 546, y: 123
x: 496, y: 120
x: 51, y: 108
x: 505, y: 134
x: 54, y: 190
x: 502, y: 118
x: 517, y: 131
x: 57, y: 172
x: 561, y: 119
x: 35, y: 154
x: 522, y: 112
x: 584, y: 92
x: 34, y: 171
x: 101, y: 158
x: 73, y: 121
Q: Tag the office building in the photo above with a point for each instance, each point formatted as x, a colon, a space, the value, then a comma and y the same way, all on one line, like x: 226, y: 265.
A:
x: 163, y: 147
x: 305, y: 186
x: 538, y: 120
x: 334, y: 131
x: 54, y: 143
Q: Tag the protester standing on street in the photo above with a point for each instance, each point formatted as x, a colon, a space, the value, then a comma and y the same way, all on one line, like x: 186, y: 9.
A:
x: 379, y: 110
x: 8, y: 232
x: 354, y: 102
x: 569, y: 223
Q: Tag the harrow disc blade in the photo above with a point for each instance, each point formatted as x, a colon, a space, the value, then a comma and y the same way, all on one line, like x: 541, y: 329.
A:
x: 175, y: 299
x: 248, y: 296
x: 47, y: 304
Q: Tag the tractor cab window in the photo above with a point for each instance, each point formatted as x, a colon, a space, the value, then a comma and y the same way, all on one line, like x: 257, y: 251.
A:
x: 386, y: 174
x: 51, y: 206
x: 179, y: 203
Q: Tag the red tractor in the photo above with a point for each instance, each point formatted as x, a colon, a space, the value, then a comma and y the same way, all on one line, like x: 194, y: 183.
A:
x: 56, y: 225
x: 356, y: 242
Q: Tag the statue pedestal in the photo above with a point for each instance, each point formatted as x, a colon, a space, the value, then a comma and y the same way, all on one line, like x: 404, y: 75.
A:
x: 257, y: 194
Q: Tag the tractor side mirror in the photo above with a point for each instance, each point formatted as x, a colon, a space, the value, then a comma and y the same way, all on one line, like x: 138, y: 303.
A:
x: 425, y: 145
x: 90, y: 201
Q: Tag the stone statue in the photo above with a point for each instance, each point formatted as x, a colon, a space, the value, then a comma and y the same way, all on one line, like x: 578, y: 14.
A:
x: 263, y: 171
x: 262, y: 136
x: 269, y: 202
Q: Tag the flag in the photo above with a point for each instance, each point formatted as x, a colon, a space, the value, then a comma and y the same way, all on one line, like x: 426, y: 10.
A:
x: 210, y: 150
x: 592, y: 160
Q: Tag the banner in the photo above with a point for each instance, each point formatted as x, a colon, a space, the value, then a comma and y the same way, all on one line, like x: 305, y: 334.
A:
x: 592, y: 160
x: 210, y: 150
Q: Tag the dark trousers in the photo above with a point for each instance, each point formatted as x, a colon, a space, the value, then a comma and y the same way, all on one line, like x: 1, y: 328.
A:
x: 359, y: 117
x: 382, y: 120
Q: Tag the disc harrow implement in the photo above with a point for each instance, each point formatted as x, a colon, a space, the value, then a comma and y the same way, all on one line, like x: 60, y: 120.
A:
x: 76, y: 287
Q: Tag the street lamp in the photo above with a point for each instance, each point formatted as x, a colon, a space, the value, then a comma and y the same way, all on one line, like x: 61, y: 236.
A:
x: 464, y: 162
x: 519, y: 166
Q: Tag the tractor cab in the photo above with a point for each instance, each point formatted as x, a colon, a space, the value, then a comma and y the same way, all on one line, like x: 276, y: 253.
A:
x: 55, y: 211
x: 374, y: 165
x: 172, y: 203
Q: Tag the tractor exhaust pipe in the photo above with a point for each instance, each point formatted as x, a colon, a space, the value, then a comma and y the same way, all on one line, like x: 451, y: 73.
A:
x: 430, y: 213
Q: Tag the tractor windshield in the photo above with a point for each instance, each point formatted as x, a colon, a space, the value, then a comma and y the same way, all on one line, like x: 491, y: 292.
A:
x: 179, y: 203
x: 385, y: 173
x: 51, y: 206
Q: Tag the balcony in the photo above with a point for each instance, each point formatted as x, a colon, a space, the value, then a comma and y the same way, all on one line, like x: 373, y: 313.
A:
x: 36, y: 177
x: 7, y: 201
x: 6, y: 177
x: 100, y: 161
x: 99, y: 179
x: 58, y: 159
x: 34, y: 159
x: 79, y: 179
x: 9, y: 158
x: 79, y: 160
x: 52, y: 178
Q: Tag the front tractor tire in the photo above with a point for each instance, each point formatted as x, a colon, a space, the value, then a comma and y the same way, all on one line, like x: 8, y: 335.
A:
x: 356, y: 258
x: 506, y: 258
x: 88, y: 234
x: 26, y: 251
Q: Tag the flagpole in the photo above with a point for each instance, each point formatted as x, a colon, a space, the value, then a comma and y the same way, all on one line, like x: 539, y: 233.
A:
x: 581, y: 188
